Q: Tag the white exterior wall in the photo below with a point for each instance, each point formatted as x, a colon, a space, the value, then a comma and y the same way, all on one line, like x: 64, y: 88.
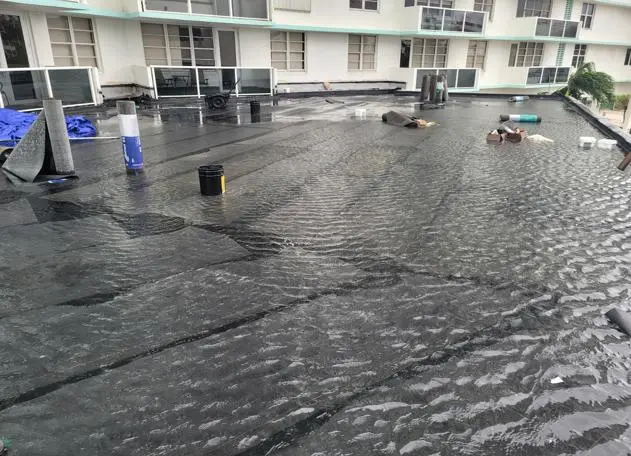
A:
x: 254, y: 48
x: 327, y: 27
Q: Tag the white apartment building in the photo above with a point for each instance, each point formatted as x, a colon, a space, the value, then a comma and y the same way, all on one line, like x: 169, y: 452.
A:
x: 83, y: 51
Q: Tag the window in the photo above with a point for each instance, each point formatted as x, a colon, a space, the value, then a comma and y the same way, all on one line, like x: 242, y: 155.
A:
x: 525, y: 54
x: 424, y: 53
x: 256, y: 9
x: 72, y: 41
x: 371, y: 5
x: 178, y: 45
x: 361, y: 52
x: 627, y: 59
x: 579, y: 55
x: 451, y: 20
x: 476, y: 54
x: 435, y: 3
x: 587, y: 15
x: 288, y: 51
x: 406, y: 53
x: 529, y: 8
x: 484, y: 5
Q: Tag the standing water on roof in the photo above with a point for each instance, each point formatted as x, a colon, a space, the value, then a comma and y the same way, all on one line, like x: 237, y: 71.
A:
x: 359, y: 288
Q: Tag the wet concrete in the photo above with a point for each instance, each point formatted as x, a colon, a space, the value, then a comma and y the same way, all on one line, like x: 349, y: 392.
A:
x: 360, y: 289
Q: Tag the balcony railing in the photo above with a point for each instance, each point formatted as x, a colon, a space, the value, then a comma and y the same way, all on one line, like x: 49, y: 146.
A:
x: 186, y: 81
x: 26, y: 88
x: 457, y: 78
x: 547, y: 75
x: 293, y: 5
x: 558, y: 28
x: 452, y: 20
x: 252, y: 9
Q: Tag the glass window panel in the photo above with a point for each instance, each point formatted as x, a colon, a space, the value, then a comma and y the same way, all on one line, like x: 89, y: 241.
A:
x: 80, y: 23
x: 62, y: 50
x: 256, y: 9
x: 178, y: 6
x: 513, y: 55
x: 406, y: 47
x: 60, y: 36
x: 474, y: 22
x: 571, y: 29
x: 279, y: 46
x: 556, y: 28
x: 175, y: 81
x: 357, y: 4
x: 57, y: 22
x: 278, y: 36
x: 296, y: 65
x: 278, y: 56
x: 454, y: 21
x: 548, y: 75
x: 254, y: 81
x: 432, y: 19
x: 562, y: 75
x: 371, y: 5
x: 296, y: 47
x: 85, y: 51
x: 71, y: 86
x: 534, y: 76
x: 83, y: 37
x: 451, y: 77
x: 543, y: 27
x: 466, y: 78
x: 23, y: 89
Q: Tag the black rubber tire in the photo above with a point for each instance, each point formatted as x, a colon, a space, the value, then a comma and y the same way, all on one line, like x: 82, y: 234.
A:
x: 218, y: 102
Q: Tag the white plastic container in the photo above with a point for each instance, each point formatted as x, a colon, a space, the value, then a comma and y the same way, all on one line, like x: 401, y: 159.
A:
x: 360, y: 113
x: 607, y: 144
x: 586, y: 142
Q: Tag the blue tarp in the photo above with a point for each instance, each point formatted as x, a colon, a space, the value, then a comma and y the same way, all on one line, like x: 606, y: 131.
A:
x: 15, y: 124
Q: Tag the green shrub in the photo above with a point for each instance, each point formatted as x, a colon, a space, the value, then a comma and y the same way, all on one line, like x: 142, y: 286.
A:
x: 622, y: 101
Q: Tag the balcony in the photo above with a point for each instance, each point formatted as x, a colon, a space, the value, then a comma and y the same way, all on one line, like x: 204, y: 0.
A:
x: 547, y: 75
x: 25, y: 88
x: 457, y: 78
x: 451, y: 20
x: 545, y: 27
x: 250, y: 9
x: 186, y: 81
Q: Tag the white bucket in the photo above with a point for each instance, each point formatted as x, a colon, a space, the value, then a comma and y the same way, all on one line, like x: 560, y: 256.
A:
x: 586, y: 142
x: 607, y: 144
x: 360, y: 113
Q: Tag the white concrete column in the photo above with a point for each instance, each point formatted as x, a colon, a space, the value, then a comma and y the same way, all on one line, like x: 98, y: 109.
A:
x: 626, y: 122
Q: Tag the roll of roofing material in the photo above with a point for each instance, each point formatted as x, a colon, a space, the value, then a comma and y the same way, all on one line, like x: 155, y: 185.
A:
x: 533, y: 118
x: 622, y: 319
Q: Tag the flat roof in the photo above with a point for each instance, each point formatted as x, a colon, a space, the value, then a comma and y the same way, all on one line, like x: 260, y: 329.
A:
x: 359, y: 289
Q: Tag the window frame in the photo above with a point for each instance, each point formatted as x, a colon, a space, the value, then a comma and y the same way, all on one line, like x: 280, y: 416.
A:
x: 578, y: 55
x: 533, y: 10
x: 428, y: 3
x: 525, y: 50
x: 288, y: 51
x: 361, y: 52
x: 73, y: 40
x: 363, y: 7
x: 476, y: 54
x: 585, y: 15
x: 191, y: 47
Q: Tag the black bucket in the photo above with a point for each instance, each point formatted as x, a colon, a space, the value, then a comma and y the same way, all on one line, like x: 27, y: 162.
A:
x: 212, y: 181
x: 255, y: 108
